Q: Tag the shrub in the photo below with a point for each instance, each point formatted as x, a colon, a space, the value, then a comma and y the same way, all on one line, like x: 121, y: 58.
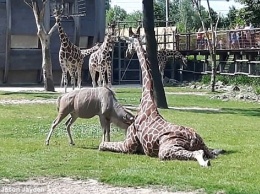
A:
x: 235, y: 80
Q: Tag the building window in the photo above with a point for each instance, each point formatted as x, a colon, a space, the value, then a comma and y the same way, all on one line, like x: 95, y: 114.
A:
x: 83, y: 42
x: 24, y: 41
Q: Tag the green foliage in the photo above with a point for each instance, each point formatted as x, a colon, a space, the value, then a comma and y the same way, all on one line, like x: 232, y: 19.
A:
x: 182, y: 15
x: 206, y: 79
x: 235, y: 80
x: 251, y: 11
x: 134, y: 17
x: 23, y: 154
x: 236, y: 17
x: 115, y: 14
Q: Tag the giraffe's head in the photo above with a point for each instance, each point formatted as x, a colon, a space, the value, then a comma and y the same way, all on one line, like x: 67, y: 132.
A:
x: 177, y: 55
x: 110, y: 40
x: 57, y: 10
x: 130, y: 51
x: 182, y: 58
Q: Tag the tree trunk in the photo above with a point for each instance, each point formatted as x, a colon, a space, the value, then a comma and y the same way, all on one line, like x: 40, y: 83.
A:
x: 44, y: 37
x: 151, y: 49
x: 213, y: 54
x: 213, y: 72
x: 212, y: 46
x: 46, y: 63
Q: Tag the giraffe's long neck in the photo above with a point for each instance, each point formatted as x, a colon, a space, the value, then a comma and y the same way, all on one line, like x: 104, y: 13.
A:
x: 62, y: 34
x: 91, y: 50
x: 105, y: 45
x: 147, y: 101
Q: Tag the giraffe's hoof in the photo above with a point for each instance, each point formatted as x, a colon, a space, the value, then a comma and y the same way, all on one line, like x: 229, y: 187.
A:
x: 72, y: 144
x: 47, y: 143
x: 206, y: 164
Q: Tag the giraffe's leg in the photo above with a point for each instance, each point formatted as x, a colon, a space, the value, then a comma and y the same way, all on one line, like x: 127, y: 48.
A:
x: 68, y: 124
x: 109, y: 74
x: 162, y: 74
x: 73, y: 80
x: 103, y: 72
x: 129, y: 145
x: 58, y: 119
x: 79, y: 75
x: 161, y: 69
x: 99, y: 79
x: 64, y: 78
x: 93, y: 75
x: 170, y: 151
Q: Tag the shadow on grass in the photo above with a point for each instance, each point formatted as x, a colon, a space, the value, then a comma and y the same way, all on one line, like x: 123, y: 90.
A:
x: 95, y: 147
x: 227, y: 152
x: 88, y: 147
x: 46, y: 95
x: 238, y: 111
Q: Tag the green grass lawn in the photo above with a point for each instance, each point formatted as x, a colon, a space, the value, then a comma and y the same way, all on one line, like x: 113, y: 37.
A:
x: 235, y: 128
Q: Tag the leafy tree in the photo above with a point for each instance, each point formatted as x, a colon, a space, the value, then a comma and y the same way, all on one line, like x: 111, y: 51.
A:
x: 251, y: 11
x: 159, y: 14
x: 186, y: 16
x: 211, y: 42
x: 174, y: 12
x: 115, y: 14
x: 134, y: 18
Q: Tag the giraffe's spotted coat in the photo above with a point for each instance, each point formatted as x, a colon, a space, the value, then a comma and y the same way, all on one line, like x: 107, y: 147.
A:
x: 152, y: 135
x: 101, y: 60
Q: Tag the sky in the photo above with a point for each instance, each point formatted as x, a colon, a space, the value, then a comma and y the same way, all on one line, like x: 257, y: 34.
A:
x: 218, y: 5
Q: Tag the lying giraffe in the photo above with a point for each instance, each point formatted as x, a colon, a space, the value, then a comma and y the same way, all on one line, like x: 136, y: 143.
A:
x: 163, y: 55
x: 152, y: 135
x: 101, y: 60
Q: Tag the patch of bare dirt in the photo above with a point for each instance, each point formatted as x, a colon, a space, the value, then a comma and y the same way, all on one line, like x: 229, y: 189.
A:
x: 70, y: 186
x: 189, y: 93
x: 25, y: 101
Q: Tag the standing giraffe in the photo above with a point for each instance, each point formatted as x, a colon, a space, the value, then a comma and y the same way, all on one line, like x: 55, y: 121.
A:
x: 101, y: 60
x: 152, y: 135
x: 163, y: 55
x: 85, y: 52
x: 70, y: 57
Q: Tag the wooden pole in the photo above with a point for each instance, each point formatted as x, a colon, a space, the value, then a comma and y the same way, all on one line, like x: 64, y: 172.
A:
x: 151, y: 49
x: 8, y: 39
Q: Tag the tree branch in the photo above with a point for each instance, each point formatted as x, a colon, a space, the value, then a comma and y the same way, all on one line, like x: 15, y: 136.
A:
x: 27, y: 3
x: 35, y: 11
x: 54, y: 27
x: 43, y: 9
